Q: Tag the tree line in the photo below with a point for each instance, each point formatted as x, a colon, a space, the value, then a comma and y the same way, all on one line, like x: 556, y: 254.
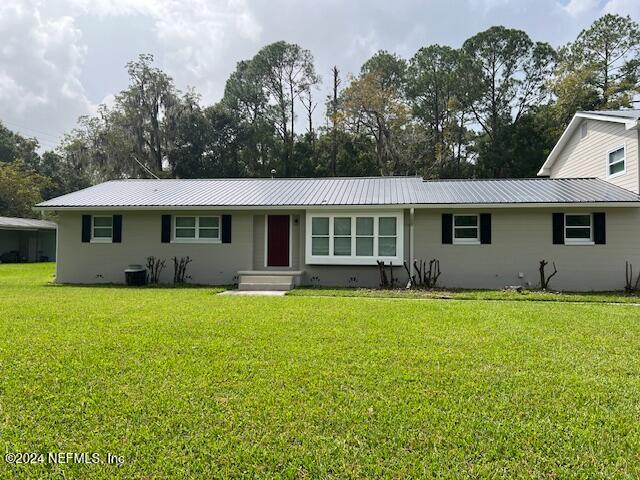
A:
x: 490, y: 109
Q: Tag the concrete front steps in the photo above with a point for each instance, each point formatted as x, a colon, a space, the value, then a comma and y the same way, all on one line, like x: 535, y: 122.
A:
x: 268, y: 280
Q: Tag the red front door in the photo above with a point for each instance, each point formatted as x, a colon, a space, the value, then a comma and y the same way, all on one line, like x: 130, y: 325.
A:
x: 278, y: 240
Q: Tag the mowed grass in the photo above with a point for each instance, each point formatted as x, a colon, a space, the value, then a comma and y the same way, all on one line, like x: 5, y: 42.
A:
x: 186, y: 384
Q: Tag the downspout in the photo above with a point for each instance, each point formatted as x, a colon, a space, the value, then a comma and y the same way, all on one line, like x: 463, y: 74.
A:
x: 412, y: 214
x: 57, y: 250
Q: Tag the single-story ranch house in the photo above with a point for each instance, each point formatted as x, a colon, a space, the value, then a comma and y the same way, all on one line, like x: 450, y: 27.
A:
x: 27, y: 240
x: 273, y: 233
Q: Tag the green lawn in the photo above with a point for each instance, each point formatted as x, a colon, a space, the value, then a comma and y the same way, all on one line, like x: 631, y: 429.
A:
x: 186, y: 384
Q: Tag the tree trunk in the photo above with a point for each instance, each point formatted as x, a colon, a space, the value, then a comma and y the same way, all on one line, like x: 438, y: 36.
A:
x: 291, y: 136
x: 334, y: 122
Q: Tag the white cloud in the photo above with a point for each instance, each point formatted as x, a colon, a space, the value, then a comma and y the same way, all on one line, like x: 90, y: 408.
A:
x: 199, y: 35
x: 42, y: 53
x: 623, y: 7
x: 40, y: 64
x: 580, y: 7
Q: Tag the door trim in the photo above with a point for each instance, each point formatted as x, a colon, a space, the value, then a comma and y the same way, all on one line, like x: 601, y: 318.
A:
x: 266, y: 240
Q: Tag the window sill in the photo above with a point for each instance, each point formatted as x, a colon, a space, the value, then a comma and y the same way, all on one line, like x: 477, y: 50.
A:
x: 196, y: 241
x: 619, y: 174
x: 101, y: 240
x: 344, y: 260
x: 474, y: 242
x: 569, y: 242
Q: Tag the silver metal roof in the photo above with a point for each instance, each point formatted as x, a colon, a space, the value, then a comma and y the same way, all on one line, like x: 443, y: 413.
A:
x: 247, y: 192
x: 314, y: 192
x: 26, y: 224
x: 526, y: 190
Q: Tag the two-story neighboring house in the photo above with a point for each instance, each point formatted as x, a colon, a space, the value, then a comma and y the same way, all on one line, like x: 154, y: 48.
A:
x: 601, y: 144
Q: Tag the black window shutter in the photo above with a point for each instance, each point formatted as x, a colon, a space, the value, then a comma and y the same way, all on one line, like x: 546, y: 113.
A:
x: 166, y: 229
x: 117, y: 229
x: 485, y: 228
x: 447, y: 228
x: 599, y: 228
x: 226, y: 229
x: 558, y: 228
x: 86, y: 228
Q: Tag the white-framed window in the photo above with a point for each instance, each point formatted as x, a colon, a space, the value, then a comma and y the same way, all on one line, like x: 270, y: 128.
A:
x: 616, y: 164
x: 204, y: 229
x: 466, y: 229
x: 578, y: 229
x: 353, y: 238
x: 102, y: 228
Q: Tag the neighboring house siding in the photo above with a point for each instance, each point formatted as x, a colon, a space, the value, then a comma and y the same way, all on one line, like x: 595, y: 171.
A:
x: 105, y: 262
x: 523, y: 237
x: 587, y: 157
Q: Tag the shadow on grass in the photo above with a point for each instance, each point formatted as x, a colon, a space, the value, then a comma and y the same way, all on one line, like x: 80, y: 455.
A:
x: 469, y: 294
x: 162, y: 286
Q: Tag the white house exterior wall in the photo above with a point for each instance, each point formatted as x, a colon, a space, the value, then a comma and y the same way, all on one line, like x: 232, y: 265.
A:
x: 521, y: 237
x: 212, y: 264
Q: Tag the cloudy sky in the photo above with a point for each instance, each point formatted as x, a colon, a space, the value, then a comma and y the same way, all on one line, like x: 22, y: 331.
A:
x: 61, y: 58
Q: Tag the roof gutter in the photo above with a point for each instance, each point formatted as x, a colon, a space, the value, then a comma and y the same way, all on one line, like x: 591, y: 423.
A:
x: 425, y: 206
x: 29, y: 229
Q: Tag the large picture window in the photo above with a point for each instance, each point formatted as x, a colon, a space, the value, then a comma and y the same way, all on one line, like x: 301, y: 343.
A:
x: 616, y: 162
x: 320, y: 236
x: 356, y: 239
x: 578, y: 229
x: 196, y: 229
x: 364, y: 236
x: 342, y: 236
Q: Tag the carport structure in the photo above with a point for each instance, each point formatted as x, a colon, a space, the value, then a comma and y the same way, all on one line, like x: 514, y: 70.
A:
x: 27, y: 240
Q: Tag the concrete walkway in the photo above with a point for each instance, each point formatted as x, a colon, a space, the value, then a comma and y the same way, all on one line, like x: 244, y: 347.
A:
x: 255, y: 293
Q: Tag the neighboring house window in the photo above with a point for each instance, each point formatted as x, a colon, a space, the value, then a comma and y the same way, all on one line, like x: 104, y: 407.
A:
x: 203, y: 229
x: 578, y: 229
x: 354, y: 239
x: 616, y: 161
x: 102, y: 228
x: 466, y: 229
